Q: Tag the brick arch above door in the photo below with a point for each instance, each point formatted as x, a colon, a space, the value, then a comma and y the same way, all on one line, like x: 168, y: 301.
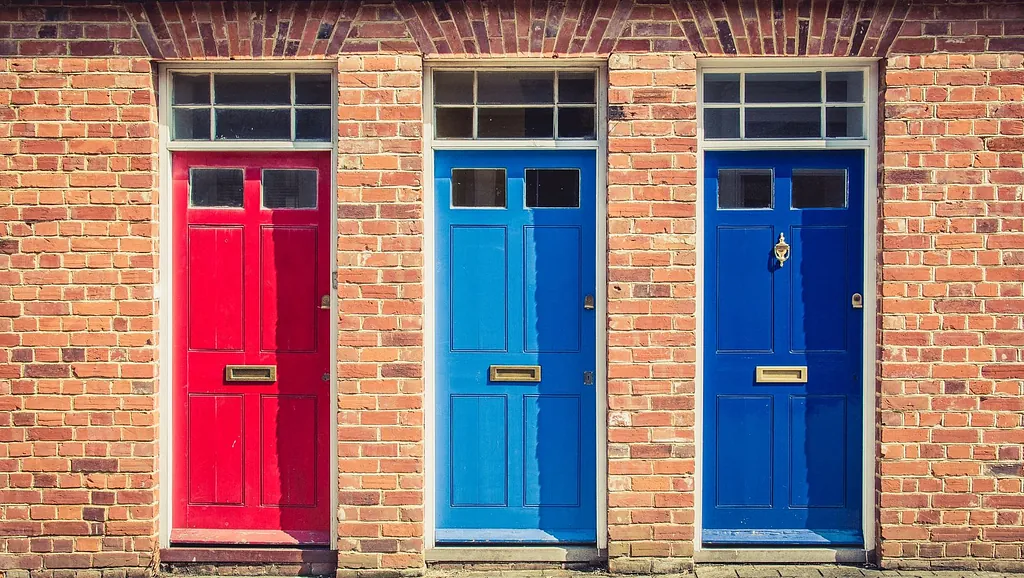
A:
x: 312, y: 29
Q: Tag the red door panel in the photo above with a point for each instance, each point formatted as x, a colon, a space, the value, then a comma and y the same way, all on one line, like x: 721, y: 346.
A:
x: 252, y: 253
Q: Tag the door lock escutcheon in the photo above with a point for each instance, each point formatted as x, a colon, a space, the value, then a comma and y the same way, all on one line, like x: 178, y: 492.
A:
x: 325, y: 302
x: 588, y: 302
x: 588, y: 378
x: 857, y: 301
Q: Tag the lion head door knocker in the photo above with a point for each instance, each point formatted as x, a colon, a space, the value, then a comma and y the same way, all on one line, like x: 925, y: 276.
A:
x: 782, y: 250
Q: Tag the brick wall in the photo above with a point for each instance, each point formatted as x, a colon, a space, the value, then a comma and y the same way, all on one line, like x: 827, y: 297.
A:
x: 652, y: 146
x: 77, y: 314
x: 952, y: 404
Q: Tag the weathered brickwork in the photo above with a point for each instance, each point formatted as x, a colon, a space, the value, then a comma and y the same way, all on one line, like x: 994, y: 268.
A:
x: 952, y: 407
x: 79, y: 485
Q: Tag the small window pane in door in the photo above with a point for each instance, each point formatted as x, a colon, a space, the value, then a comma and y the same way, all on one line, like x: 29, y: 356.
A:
x: 289, y: 188
x: 844, y: 122
x: 515, y: 87
x: 216, y: 187
x: 454, y: 122
x: 819, y: 188
x: 576, y: 87
x: 453, y: 87
x: 515, y: 122
x: 576, y: 122
x: 783, y: 87
x: 313, y: 124
x: 722, y: 88
x: 191, y: 124
x: 254, y: 124
x: 252, y: 89
x: 796, y: 122
x: 312, y: 89
x: 744, y: 188
x: 478, y: 188
x: 191, y: 89
x: 553, y: 188
x: 844, y: 86
x: 722, y: 123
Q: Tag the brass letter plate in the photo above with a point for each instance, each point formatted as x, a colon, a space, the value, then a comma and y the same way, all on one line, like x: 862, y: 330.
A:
x: 781, y: 374
x: 517, y: 373
x: 263, y: 373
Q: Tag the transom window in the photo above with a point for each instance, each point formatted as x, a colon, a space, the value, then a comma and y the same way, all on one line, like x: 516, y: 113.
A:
x: 503, y: 104
x: 784, y: 105
x: 251, y: 107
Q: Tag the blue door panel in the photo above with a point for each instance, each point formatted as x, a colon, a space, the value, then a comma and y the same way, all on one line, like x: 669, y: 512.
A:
x: 516, y: 460
x: 783, y: 459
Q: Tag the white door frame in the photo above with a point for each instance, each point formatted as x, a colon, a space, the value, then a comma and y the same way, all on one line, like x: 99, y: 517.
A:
x: 431, y: 144
x: 165, y: 268
x: 869, y: 145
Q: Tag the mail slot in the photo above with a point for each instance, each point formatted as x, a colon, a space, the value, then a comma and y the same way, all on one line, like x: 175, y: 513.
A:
x: 781, y: 374
x: 259, y: 373
x: 516, y: 373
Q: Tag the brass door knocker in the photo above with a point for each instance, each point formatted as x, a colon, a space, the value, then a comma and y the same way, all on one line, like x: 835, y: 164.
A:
x: 782, y: 250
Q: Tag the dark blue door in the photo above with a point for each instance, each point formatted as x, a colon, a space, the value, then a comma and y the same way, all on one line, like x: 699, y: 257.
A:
x: 782, y: 362
x: 515, y: 335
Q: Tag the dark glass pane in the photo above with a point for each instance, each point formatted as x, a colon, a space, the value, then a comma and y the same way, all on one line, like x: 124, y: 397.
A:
x: 844, y: 86
x: 453, y: 122
x: 191, y: 124
x: 802, y: 122
x: 722, y: 123
x: 251, y: 89
x: 478, y: 188
x: 312, y: 89
x: 313, y: 124
x: 289, y: 188
x: 576, y: 122
x: 515, y: 123
x: 744, y: 188
x: 191, y: 89
x: 783, y: 87
x: 253, y: 123
x: 847, y: 122
x: 553, y: 188
x: 515, y: 87
x: 576, y: 87
x: 216, y: 187
x: 453, y: 87
x: 722, y: 88
x: 819, y: 188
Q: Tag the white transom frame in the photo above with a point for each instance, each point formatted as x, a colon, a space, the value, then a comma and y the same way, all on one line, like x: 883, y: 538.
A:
x: 869, y: 144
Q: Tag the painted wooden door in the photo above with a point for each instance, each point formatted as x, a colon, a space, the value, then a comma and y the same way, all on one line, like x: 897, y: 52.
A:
x: 515, y: 398
x: 251, y: 347
x: 783, y: 347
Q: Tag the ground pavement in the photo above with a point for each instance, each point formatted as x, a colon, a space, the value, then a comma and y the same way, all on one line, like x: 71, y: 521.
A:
x: 734, y: 571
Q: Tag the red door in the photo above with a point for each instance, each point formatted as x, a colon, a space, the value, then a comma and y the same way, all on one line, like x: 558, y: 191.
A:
x: 251, y: 348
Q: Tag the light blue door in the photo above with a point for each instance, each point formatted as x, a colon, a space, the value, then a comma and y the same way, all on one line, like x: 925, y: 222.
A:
x: 783, y: 352
x: 515, y: 401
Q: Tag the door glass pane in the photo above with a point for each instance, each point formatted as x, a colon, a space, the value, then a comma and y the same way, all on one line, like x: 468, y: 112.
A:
x: 819, y: 188
x: 252, y: 89
x: 722, y: 87
x: 576, y: 122
x: 576, y: 87
x: 804, y: 122
x: 515, y: 122
x: 453, y: 87
x: 191, y: 124
x: 289, y: 188
x: 722, y: 123
x: 553, y: 188
x: 844, y: 121
x: 216, y: 187
x: 844, y: 86
x: 478, y: 188
x: 783, y: 87
x: 313, y: 124
x: 191, y: 89
x: 515, y: 87
x: 453, y: 122
x: 312, y: 89
x: 744, y: 188
x: 254, y: 123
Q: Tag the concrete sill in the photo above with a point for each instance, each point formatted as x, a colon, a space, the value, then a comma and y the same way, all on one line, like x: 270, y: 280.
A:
x: 503, y: 554
x: 781, y: 556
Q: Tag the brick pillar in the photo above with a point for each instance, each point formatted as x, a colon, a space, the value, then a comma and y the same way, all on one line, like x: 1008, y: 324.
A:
x: 651, y: 234
x: 380, y: 289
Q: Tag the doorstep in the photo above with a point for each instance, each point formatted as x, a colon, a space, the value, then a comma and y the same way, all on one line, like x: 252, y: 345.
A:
x: 215, y: 555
